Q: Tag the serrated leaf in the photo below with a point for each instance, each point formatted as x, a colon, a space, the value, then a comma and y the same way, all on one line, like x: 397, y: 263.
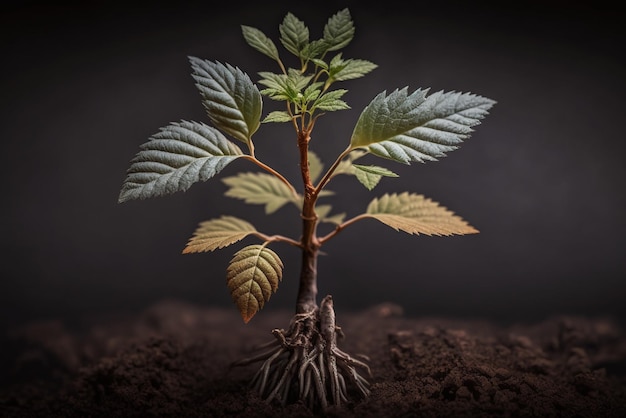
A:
x: 330, y: 101
x: 374, y: 169
x: 298, y: 80
x: 179, y: 155
x: 415, y: 214
x: 387, y: 116
x: 314, y: 49
x: 352, y: 69
x: 278, y: 116
x: 232, y: 102
x: 320, y: 63
x: 370, y: 175
x: 252, y: 276
x: 277, y: 85
x: 332, y: 105
x: 218, y: 233
x: 259, y: 41
x: 282, y: 86
x: 312, y: 92
x: 407, y: 128
x: 294, y: 35
x: 339, y: 30
x: 260, y: 189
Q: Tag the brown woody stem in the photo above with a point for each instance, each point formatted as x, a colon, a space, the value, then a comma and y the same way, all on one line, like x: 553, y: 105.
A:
x: 307, y: 293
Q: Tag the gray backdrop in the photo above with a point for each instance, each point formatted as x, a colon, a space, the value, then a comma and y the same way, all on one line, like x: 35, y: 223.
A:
x: 541, y: 178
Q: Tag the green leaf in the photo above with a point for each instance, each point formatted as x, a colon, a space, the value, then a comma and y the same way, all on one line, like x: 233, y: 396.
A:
x: 252, y: 277
x: 312, y: 92
x: 330, y: 101
x: 179, y: 155
x: 298, y: 80
x: 352, y: 69
x: 218, y: 233
x: 257, y: 40
x: 407, y: 128
x: 370, y: 175
x: 374, y: 169
x: 294, y: 35
x: 233, y: 103
x: 415, y: 214
x: 314, y: 49
x: 284, y: 87
x: 387, y: 116
x: 260, y: 189
x: 346, y: 166
x: 339, y: 30
x: 277, y: 116
x: 278, y: 87
x: 320, y: 63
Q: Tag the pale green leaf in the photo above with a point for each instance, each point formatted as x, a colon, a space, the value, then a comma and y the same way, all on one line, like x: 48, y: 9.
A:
x: 370, y: 175
x: 298, y: 80
x: 407, y: 128
x: 233, y: 103
x: 259, y: 41
x: 278, y: 116
x: 330, y: 101
x: 339, y: 30
x: 283, y: 86
x: 273, y: 80
x: 218, y: 233
x: 332, y: 105
x: 179, y: 155
x: 260, y: 189
x: 294, y: 35
x: 415, y: 214
x: 352, y: 69
x: 252, y: 277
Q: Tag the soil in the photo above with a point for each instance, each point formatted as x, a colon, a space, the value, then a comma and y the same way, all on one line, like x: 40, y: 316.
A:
x: 172, y: 360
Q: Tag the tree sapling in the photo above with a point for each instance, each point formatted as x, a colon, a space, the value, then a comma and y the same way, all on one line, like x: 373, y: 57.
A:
x: 304, y: 361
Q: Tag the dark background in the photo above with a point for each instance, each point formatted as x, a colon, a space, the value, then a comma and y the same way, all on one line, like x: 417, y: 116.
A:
x: 542, y: 178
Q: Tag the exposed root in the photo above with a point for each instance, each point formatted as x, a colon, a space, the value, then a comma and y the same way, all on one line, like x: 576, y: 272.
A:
x: 304, y: 363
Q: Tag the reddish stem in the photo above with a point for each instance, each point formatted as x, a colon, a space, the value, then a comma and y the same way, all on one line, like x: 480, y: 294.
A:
x: 307, y: 293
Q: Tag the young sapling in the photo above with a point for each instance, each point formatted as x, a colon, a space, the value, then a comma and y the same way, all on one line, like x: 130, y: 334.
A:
x: 304, y: 361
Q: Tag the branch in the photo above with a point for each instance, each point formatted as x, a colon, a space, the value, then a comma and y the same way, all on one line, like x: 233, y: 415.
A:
x: 341, y: 227
x: 331, y: 170
x: 271, y: 171
x: 277, y: 238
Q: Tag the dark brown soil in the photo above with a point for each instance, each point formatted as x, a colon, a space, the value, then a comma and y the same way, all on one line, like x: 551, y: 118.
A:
x: 172, y: 361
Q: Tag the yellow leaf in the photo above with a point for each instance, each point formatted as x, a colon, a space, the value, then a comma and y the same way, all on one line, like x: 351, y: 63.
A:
x: 415, y: 214
x: 218, y: 233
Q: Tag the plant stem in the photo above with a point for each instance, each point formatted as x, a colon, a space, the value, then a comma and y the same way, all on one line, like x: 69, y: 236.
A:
x: 341, y: 227
x: 272, y: 171
x: 331, y: 170
x: 307, y: 293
